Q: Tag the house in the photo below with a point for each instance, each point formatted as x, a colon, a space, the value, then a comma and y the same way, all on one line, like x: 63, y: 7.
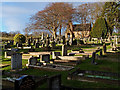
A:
x: 78, y: 30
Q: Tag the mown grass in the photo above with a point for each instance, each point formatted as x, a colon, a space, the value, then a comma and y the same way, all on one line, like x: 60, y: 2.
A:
x: 103, y: 65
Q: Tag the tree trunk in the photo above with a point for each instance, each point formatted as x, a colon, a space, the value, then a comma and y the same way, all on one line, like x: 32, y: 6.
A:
x: 60, y: 32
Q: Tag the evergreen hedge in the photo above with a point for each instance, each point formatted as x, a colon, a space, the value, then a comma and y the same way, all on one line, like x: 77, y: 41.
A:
x: 100, y: 28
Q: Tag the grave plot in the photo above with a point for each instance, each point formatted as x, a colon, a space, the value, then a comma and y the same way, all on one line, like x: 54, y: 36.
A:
x: 52, y: 67
x: 95, y: 76
x: 22, y: 82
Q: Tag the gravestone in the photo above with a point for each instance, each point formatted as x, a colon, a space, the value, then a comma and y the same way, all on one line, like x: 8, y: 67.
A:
x: 14, y: 49
x: 71, y: 41
x: 29, y: 44
x: 53, y: 44
x: 42, y: 37
x: 67, y: 43
x: 32, y: 61
x: 43, y: 45
x: 34, y: 42
x: 93, y: 57
x: 55, y: 54
x: 45, y: 58
x: 104, y: 48
x: 47, y: 41
x: 25, y: 82
x: 54, y: 82
x: 37, y: 45
x: 31, y: 39
x: 63, y: 39
x: 100, y: 52
x: 16, y: 61
x: 19, y: 45
x: 64, y: 50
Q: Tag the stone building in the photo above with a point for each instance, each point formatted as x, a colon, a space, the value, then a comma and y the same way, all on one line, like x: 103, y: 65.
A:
x: 78, y: 30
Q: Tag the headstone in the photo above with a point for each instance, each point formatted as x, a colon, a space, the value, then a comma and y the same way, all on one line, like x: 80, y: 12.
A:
x: 53, y: 44
x: 116, y: 40
x: 31, y: 39
x: 93, y: 57
x: 63, y: 39
x: 34, y: 42
x: 71, y: 41
x: 100, y: 52
x: 47, y: 41
x: 54, y: 82
x: 16, y: 61
x: 45, y: 58
x: 43, y: 44
x: 25, y: 82
x: 19, y: 45
x: 64, y: 50
x: 55, y: 54
x: 37, y: 45
x: 67, y: 43
x: 32, y: 61
x: 29, y: 44
x: 101, y: 41
x: 42, y: 37
x: 14, y: 49
x: 104, y: 48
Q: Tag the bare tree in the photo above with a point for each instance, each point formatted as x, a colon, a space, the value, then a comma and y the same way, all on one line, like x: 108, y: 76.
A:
x: 53, y: 17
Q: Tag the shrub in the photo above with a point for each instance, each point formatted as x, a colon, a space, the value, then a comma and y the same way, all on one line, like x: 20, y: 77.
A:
x: 19, y: 38
x: 100, y: 28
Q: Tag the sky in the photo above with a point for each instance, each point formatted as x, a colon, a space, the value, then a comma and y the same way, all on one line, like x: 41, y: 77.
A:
x: 15, y: 15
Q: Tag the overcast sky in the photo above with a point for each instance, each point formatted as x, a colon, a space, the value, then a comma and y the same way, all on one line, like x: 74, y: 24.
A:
x: 15, y: 15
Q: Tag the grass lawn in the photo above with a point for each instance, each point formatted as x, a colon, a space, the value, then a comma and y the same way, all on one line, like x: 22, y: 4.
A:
x: 103, y: 65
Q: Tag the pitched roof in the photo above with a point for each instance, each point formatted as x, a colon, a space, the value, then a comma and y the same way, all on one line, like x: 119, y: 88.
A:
x: 81, y: 27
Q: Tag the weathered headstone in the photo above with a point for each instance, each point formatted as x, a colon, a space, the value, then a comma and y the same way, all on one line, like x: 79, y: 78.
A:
x: 104, y: 48
x: 29, y: 43
x: 45, y: 58
x: 19, y: 45
x: 32, y: 61
x: 93, y: 57
x: 64, y: 50
x: 63, y: 39
x: 71, y: 41
x: 100, y: 52
x: 42, y: 37
x: 47, y: 41
x: 37, y: 45
x: 67, y: 43
x: 53, y: 44
x: 34, y: 42
x: 55, y: 54
x: 16, y: 61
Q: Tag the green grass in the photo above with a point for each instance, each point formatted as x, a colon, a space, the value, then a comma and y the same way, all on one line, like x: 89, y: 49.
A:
x: 103, y: 65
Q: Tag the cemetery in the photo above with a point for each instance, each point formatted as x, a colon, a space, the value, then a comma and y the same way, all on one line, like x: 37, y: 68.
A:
x: 85, y: 55
x: 93, y: 61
